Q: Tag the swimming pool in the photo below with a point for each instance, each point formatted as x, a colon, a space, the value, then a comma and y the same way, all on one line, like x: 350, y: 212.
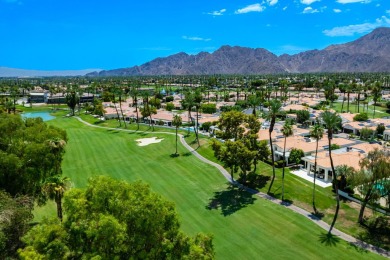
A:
x: 44, y: 115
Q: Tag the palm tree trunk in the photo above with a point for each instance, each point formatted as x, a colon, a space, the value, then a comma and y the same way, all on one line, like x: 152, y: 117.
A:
x: 117, y: 113
x: 342, y: 104
x: 363, y: 206
x: 284, y: 164
x: 196, y: 126
x: 314, y: 180
x: 189, y: 121
x: 137, y: 117
x: 336, y: 189
x: 358, y: 103
x: 273, y: 162
x: 59, y: 207
x: 348, y: 102
x: 176, y: 140
x: 120, y: 107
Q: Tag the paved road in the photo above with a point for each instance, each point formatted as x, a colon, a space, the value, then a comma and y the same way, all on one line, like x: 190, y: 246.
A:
x: 290, y: 206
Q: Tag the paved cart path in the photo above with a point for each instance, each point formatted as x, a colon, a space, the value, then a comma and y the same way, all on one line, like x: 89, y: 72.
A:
x: 290, y: 206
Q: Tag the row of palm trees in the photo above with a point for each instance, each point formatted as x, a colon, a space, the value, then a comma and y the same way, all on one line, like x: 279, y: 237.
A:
x: 330, y: 121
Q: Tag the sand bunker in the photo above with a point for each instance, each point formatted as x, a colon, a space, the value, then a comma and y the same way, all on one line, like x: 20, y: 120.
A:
x: 147, y: 141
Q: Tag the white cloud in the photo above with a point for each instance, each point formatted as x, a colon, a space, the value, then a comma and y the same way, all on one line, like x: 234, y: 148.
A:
x: 310, y: 10
x: 308, y: 2
x: 388, y: 11
x: 285, y: 8
x: 353, y: 1
x: 350, y: 30
x: 218, y: 13
x: 289, y: 49
x: 337, y: 10
x: 272, y: 2
x: 250, y: 8
x: 196, y: 38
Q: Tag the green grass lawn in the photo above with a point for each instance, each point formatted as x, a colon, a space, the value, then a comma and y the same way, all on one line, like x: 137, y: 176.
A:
x: 244, y: 226
x: 379, y: 110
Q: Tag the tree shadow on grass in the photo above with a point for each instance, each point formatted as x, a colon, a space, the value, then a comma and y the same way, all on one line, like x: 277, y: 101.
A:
x: 317, y: 215
x: 255, y: 181
x: 187, y: 154
x: 113, y: 131
x: 99, y: 122
x: 359, y: 247
x: 377, y: 232
x: 231, y: 200
x: 328, y: 239
x: 174, y: 155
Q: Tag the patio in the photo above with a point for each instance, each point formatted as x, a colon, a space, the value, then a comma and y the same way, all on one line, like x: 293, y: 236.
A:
x: 303, y: 174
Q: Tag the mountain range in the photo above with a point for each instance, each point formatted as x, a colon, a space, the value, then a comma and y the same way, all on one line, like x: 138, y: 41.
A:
x: 369, y: 53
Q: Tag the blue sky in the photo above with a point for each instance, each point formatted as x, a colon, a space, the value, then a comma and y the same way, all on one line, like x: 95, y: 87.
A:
x: 59, y: 35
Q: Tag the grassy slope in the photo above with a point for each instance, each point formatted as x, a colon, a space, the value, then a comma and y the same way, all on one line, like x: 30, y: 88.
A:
x: 242, y: 230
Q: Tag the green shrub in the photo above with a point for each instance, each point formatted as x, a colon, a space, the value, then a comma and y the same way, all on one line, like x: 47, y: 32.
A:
x: 170, y: 106
x: 334, y: 146
x: 206, y: 126
x: 169, y: 99
x: 366, y: 133
x: 296, y: 156
x: 302, y: 116
x: 360, y: 117
x: 208, y: 108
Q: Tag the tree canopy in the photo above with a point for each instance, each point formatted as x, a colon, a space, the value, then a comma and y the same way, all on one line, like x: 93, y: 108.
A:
x: 30, y: 152
x: 113, y: 219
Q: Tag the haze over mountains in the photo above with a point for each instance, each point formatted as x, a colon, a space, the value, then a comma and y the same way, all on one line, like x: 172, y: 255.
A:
x: 12, y: 72
x: 370, y: 53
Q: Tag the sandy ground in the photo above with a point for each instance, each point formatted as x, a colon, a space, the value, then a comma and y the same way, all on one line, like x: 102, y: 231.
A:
x: 147, y: 141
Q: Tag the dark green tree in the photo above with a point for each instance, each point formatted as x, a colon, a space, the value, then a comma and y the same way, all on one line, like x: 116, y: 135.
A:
x: 15, y: 218
x: 72, y: 99
x: 113, y: 219
x: 230, y: 124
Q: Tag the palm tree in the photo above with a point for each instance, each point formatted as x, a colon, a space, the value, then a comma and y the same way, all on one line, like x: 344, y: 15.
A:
x: 317, y: 132
x: 332, y: 122
x: 342, y: 88
x: 197, y: 102
x: 348, y: 89
x: 135, y: 93
x: 274, y: 110
x: 253, y: 101
x: 177, y: 121
x: 376, y: 94
x: 287, y: 131
x: 54, y: 188
x: 189, y: 102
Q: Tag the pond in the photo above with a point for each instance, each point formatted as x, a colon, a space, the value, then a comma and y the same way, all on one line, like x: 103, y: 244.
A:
x: 44, y: 115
